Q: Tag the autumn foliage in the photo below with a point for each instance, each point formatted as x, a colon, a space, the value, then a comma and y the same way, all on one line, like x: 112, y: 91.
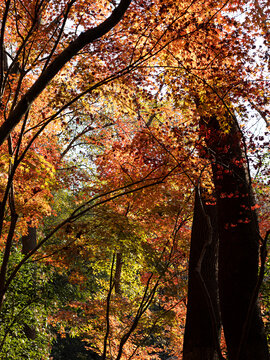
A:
x: 114, y: 114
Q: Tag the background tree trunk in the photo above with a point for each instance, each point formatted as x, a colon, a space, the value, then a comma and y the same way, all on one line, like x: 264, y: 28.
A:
x: 117, y: 277
x: 29, y: 241
x: 202, y: 322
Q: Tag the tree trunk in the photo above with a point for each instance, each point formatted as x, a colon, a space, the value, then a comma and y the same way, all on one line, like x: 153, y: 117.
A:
x: 29, y: 241
x: 238, y: 244
x: 202, y: 322
x: 118, y: 270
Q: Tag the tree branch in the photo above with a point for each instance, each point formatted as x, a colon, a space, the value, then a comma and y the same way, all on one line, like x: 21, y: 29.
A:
x: 57, y: 64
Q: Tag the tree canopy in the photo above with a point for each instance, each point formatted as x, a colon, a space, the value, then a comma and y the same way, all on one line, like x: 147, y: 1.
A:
x: 134, y: 179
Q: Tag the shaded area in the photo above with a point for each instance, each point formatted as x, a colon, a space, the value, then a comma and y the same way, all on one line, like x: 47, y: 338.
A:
x: 69, y: 348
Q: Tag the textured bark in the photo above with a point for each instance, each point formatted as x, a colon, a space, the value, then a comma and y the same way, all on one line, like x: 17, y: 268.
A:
x: 202, y: 322
x: 238, y: 244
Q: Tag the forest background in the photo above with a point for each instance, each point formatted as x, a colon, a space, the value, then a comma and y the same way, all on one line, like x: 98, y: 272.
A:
x: 134, y: 180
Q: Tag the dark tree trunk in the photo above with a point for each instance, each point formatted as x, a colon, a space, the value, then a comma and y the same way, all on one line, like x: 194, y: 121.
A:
x: 238, y: 244
x: 202, y: 322
x: 29, y: 241
x: 118, y: 270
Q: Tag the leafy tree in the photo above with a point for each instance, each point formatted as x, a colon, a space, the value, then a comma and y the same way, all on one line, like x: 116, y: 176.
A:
x: 138, y: 113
